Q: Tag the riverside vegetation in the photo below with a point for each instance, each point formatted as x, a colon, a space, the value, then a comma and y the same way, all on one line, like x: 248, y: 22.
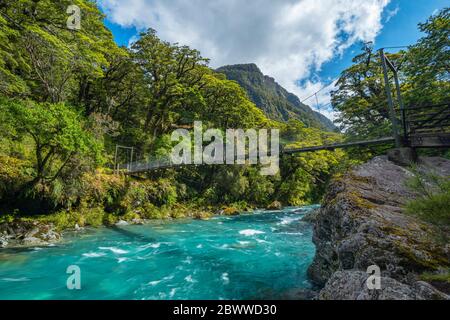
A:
x: 67, y: 98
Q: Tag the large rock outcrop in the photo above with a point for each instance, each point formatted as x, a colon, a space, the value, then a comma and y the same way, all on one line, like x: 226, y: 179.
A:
x: 362, y: 224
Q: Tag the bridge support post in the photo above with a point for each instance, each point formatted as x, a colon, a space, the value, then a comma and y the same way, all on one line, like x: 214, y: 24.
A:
x: 115, y: 160
x: 385, y: 62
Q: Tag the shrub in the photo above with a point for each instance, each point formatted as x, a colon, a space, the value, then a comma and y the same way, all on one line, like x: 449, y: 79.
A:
x: 13, y: 174
x: 110, y: 219
x: 102, y: 188
x: 433, y: 200
x: 161, y: 192
x: 434, y: 208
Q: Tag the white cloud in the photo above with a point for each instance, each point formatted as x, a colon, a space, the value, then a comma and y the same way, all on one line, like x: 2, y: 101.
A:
x: 391, y: 13
x: 288, y: 39
x: 132, y: 40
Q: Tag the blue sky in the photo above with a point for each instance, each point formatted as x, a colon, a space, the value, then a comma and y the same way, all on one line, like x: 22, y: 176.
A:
x: 401, y: 29
x: 303, y: 44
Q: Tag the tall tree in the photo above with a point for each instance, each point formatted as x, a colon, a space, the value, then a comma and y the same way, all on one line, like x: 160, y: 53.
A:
x: 428, y: 68
x: 172, y: 75
x: 50, y: 58
x: 57, y: 134
x: 360, y: 96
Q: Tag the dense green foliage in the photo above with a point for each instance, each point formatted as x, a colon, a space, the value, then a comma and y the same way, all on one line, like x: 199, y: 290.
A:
x: 360, y: 96
x: 274, y: 100
x: 434, y: 197
x: 67, y: 97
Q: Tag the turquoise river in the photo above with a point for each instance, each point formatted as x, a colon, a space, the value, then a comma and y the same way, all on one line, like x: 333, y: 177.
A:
x: 263, y: 255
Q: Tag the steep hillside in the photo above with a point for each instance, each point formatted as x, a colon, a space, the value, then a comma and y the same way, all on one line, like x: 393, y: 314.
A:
x: 273, y: 99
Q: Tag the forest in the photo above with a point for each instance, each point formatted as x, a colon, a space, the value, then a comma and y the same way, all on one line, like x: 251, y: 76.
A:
x: 68, y: 97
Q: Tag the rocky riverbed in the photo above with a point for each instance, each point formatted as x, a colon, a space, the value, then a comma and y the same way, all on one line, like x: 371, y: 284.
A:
x: 362, y: 223
x: 27, y: 233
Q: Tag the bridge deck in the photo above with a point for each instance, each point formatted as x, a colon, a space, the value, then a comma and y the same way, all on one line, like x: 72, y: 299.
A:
x: 340, y: 145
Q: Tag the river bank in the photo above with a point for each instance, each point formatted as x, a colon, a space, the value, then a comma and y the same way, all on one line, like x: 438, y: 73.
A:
x: 264, y: 255
x: 42, y: 230
x: 363, y: 223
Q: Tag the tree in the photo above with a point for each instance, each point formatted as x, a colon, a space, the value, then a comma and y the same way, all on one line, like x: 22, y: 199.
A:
x: 226, y: 104
x: 57, y: 134
x: 428, y: 66
x: 360, y: 96
x: 50, y: 59
x: 172, y: 75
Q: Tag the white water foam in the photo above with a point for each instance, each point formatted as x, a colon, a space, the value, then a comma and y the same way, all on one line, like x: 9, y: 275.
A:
x: 287, y: 220
x: 225, y: 278
x: 188, y: 260
x: 172, y: 292
x: 154, y: 283
x: 114, y: 250
x: 189, y: 279
x: 152, y: 245
x: 250, y: 232
x: 94, y: 254
x: 23, y: 279
x: 120, y: 260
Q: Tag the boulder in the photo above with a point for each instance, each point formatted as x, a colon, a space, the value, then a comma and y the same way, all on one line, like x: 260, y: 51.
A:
x: 138, y: 221
x: 362, y: 223
x: 352, y: 285
x: 276, y: 205
x: 32, y: 241
x: 202, y: 215
x: 3, y: 242
x: 26, y: 233
x: 230, y: 211
x: 311, y: 216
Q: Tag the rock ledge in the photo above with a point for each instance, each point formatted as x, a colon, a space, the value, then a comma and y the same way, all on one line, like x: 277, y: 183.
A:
x: 362, y: 224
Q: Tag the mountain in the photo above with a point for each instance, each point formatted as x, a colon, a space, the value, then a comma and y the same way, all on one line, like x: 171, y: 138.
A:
x: 273, y: 99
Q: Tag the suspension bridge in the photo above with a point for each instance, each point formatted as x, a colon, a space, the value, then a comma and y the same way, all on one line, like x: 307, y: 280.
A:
x: 423, y: 127
x: 412, y: 127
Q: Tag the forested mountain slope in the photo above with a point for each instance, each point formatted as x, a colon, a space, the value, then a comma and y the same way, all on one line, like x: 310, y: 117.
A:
x: 276, y: 102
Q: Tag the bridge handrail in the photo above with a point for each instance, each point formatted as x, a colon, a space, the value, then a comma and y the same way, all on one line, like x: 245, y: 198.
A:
x: 412, y: 108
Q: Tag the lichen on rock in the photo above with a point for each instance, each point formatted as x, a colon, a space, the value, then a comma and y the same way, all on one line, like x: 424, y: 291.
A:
x: 362, y: 223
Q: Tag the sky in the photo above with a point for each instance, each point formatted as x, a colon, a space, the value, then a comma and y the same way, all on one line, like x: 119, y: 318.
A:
x: 303, y: 44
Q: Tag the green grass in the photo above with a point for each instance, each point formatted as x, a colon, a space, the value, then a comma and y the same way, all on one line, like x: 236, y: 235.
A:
x: 434, y: 209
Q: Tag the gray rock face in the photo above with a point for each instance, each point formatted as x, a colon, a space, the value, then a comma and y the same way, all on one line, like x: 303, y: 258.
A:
x: 311, y: 216
x: 3, y: 242
x: 27, y: 233
x: 362, y: 224
x: 352, y: 285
